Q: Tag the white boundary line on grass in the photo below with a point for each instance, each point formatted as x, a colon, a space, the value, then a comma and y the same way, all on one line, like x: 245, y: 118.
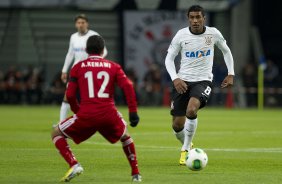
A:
x: 257, y: 150
x: 211, y: 133
x: 156, y: 148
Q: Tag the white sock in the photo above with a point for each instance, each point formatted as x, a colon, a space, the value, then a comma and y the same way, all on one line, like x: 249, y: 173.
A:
x: 189, y: 130
x: 64, y: 110
x: 180, y: 136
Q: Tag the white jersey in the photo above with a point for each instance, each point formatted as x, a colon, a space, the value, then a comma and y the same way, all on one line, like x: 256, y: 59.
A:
x: 77, y: 48
x: 197, y: 52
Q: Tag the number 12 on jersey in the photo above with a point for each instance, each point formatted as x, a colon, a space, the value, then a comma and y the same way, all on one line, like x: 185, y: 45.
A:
x: 100, y: 75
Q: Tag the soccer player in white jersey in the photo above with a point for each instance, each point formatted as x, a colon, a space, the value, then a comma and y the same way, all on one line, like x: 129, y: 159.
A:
x: 192, y: 84
x: 76, y: 53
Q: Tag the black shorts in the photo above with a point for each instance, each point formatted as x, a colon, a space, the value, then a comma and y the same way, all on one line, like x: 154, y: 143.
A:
x: 200, y: 90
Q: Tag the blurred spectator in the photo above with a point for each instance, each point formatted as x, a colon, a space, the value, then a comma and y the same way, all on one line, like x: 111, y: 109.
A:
x: 167, y: 87
x: 271, y: 74
x: 2, y: 88
x: 13, y: 86
x: 131, y: 74
x: 119, y: 96
x: 151, y: 91
x: 249, y: 76
x: 56, y: 92
x: 271, y: 80
x: 219, y: 71
x: 33, y: 86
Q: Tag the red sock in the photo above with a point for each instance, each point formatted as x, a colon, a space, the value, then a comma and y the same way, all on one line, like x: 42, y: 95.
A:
x: 63, y: 147
x: 129, y: 150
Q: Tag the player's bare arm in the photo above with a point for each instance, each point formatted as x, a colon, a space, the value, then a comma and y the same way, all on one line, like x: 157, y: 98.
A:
x: 180, y: 86
x: 228, y: 81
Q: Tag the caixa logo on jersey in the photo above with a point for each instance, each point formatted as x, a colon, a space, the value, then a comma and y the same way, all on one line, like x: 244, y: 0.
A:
x: 78, y: 49
x: 198, y: 54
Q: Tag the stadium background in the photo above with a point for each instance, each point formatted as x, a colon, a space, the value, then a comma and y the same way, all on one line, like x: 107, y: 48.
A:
x: 34, y: 38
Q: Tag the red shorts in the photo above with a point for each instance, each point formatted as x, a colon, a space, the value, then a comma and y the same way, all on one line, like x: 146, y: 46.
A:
x: 110, y: 125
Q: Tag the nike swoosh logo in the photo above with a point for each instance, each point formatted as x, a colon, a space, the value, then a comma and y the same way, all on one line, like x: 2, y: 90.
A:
x: 189, y: 131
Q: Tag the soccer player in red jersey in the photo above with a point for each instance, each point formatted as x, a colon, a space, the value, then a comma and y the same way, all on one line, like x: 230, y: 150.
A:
x: 95, y: 79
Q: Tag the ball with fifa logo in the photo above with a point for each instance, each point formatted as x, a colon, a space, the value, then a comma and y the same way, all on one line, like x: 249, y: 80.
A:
x: 197, y: 159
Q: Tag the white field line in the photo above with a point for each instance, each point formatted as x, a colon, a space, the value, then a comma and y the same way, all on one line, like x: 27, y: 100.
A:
x: 210, y: 133
x: 258, y: 150
x: 156, y: 148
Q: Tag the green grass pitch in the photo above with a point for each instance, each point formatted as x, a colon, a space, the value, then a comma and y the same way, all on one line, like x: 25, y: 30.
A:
x: 243, y: 146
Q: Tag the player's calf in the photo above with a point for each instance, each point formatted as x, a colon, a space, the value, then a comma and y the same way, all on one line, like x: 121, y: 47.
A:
x: 129, y: 150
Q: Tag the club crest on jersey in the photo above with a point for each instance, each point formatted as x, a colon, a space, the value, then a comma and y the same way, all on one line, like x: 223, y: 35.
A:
x: 208, y: 40
x: 198, y: 54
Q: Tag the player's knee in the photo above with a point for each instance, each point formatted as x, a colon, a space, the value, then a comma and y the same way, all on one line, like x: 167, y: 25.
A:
x: 55, y: 132
x: 177, y: 125
x: 124, y: 137
x: 192, y: 112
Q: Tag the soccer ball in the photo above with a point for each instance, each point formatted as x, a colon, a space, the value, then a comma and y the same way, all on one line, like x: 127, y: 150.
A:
x: 197, y: 159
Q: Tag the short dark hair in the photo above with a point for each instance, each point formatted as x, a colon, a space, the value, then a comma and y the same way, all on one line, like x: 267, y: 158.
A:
x: 95, y: 44
x: 81, y: 16
x: 196, y: 8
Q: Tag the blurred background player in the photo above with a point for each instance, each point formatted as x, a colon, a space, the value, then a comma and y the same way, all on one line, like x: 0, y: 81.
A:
x: 192, y: 85
x: 76, y: 53
x: 95, y: 78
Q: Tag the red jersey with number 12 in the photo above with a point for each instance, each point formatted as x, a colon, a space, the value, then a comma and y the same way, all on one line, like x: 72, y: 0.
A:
x: 95, y: 79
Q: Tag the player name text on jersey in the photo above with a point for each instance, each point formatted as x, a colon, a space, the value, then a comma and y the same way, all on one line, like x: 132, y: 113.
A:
x: 95, y: 64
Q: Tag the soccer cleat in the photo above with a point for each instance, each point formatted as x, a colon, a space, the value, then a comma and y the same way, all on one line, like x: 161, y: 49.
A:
x: 183, y: 155
x: 72, y: 172
x: 136, y: 178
